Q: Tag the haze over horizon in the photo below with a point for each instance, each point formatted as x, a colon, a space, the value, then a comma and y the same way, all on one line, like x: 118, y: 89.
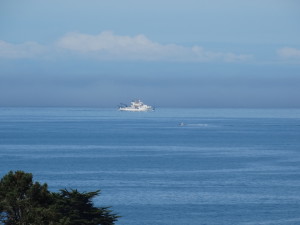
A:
x: 193, y: 53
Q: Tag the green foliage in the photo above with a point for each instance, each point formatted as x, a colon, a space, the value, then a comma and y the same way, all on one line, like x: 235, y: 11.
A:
x: 80, y: 210
x: 23, y: 202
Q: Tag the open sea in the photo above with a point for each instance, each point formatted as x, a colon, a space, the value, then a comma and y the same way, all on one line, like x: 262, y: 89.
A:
x: 222, y: 167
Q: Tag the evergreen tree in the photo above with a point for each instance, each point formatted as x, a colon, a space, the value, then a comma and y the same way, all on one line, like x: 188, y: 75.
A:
x: 80, y: 210
x: 23, y: 202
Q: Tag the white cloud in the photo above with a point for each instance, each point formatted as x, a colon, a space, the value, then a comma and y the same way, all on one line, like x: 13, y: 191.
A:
x: 289, y: 53
x: 24, y: 50
x: 107, y: 45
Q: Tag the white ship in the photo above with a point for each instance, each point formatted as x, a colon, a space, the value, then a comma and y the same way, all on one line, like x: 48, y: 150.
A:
x: 136, y: 106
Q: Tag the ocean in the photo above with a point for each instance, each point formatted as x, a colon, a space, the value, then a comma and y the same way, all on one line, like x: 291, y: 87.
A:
x: 220, y: 167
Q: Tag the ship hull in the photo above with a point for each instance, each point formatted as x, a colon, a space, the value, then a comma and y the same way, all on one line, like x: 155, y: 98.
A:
x: 135, y: 110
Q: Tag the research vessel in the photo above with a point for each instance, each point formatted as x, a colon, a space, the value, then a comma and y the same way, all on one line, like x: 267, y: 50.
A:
x: 136, y: 106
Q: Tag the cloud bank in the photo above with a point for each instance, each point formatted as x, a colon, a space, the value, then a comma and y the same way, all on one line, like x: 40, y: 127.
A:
x: 108, y: 46
x: 289, y: 53
x: 24, y: 50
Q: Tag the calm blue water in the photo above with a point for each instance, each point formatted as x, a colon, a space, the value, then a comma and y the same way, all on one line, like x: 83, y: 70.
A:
x: 224, y: 167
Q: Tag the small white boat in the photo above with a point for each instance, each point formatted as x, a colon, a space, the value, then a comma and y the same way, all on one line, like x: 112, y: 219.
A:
x: 136, y: 106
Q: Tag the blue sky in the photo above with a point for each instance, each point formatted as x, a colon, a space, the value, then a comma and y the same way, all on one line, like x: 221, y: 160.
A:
x: 192, y: 53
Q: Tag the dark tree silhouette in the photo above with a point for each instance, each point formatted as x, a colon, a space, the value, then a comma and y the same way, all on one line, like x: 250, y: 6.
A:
x: 23, y: 202
x: 80, y: 210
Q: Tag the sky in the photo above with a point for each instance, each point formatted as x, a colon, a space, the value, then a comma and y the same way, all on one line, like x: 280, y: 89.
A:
x: 168, y: 53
